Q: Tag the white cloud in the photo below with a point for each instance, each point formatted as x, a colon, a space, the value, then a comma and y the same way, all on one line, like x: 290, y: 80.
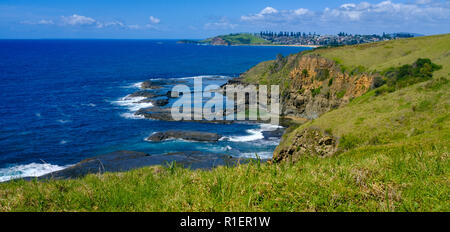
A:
x: 388, y: 11
x: 272, y: 15
x: 78, y: 20
x: 40, y: 22
x: 45, y: 22
x: 221, y: 24
x: 154, y: 20
x: 415, y: 16
x: 110, y: 24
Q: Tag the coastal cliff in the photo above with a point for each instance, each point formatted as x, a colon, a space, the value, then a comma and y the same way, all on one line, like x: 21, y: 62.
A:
x: 310, y: 84
x: 318, y: 85
x: 313, y: 83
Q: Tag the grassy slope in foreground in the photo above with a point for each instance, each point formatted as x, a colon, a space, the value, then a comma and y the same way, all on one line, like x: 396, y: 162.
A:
x: 395, y: 158
x: 240, y: 39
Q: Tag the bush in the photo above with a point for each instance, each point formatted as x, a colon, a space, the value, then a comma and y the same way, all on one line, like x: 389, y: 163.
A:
x: 315, y: 92
x: 305, y: 73
x: 384, y: 89
x: 378, y: 82
x: 323, y: 74
x: 406, y: 75
x: 330, y: 82
x: 340, y: 94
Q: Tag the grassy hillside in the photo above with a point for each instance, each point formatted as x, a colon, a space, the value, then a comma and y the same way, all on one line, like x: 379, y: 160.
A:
x: 394, y: 156
x: 382, y: 55
x: 240, y: 39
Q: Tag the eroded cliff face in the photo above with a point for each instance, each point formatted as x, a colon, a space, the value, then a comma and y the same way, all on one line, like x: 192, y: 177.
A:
x: 310, y: 85
x: 310, y: 141
x: 318, y: 85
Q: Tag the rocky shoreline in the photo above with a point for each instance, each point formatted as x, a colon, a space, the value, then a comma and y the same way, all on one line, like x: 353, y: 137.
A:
x: 121, y: 161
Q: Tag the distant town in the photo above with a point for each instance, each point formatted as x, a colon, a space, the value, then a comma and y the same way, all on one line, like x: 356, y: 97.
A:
x: 297, y: 39
x: 302, y: 38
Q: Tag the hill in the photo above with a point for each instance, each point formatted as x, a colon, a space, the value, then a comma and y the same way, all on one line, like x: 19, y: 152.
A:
x: 236, y: 39
x: 382, y: 55
x: 377, y: 140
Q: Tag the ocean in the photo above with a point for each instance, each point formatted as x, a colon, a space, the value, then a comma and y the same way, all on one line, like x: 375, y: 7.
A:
x: 63, y: 101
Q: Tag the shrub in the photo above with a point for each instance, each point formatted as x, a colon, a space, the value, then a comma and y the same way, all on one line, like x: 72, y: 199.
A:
x: 305, y: 73
x: 340, y: 94
x: 323, y: 74
x: 316, y: 91
x: 378, y: 81
x: 330, y: 82
x: 384, y: 89
x: 406, y: 75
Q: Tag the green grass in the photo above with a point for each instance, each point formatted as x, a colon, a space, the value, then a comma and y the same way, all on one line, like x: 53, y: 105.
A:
x: 241, y: 39
x: 382, y: 55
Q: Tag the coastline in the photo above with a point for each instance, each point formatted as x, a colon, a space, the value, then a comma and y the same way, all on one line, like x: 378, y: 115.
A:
x: 256, y: 45
x: 275, y: 45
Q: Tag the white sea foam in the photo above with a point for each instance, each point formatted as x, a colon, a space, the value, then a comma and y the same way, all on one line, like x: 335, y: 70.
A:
x: 132, y: 116
x: 254, y: 134
x: 28, y: 170
x: 133, y: 103
x: 136, y: 85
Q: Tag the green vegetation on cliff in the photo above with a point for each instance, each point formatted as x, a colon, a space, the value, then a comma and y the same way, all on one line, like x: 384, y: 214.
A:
x: 392, y: 153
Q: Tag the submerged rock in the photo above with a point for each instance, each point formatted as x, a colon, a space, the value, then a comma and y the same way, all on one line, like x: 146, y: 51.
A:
x: 121, y: 161
x: 186, y: 135
x: 160, y: 102
x: 149, y: 85
x: 143, y: 93
x: 277, y: 133
x: 165, y: 114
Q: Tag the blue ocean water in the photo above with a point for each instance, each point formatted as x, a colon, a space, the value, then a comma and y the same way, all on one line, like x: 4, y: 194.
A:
x: 61, y: 99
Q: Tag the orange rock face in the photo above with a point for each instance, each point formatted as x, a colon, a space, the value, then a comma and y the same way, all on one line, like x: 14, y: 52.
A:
x: 318, y: 85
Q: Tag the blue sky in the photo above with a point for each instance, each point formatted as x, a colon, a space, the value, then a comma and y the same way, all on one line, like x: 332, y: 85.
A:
x: 137, y: 19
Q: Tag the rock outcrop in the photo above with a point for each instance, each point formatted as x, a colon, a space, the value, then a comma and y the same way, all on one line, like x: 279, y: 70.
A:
x: 160, y: 102
x: 121, y: 161
x: 149, y: 85
x: 318, y: 85
x: 218, y: 41
x: 310, y: 85
x: 186, y: 135
x: 310, y: 141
